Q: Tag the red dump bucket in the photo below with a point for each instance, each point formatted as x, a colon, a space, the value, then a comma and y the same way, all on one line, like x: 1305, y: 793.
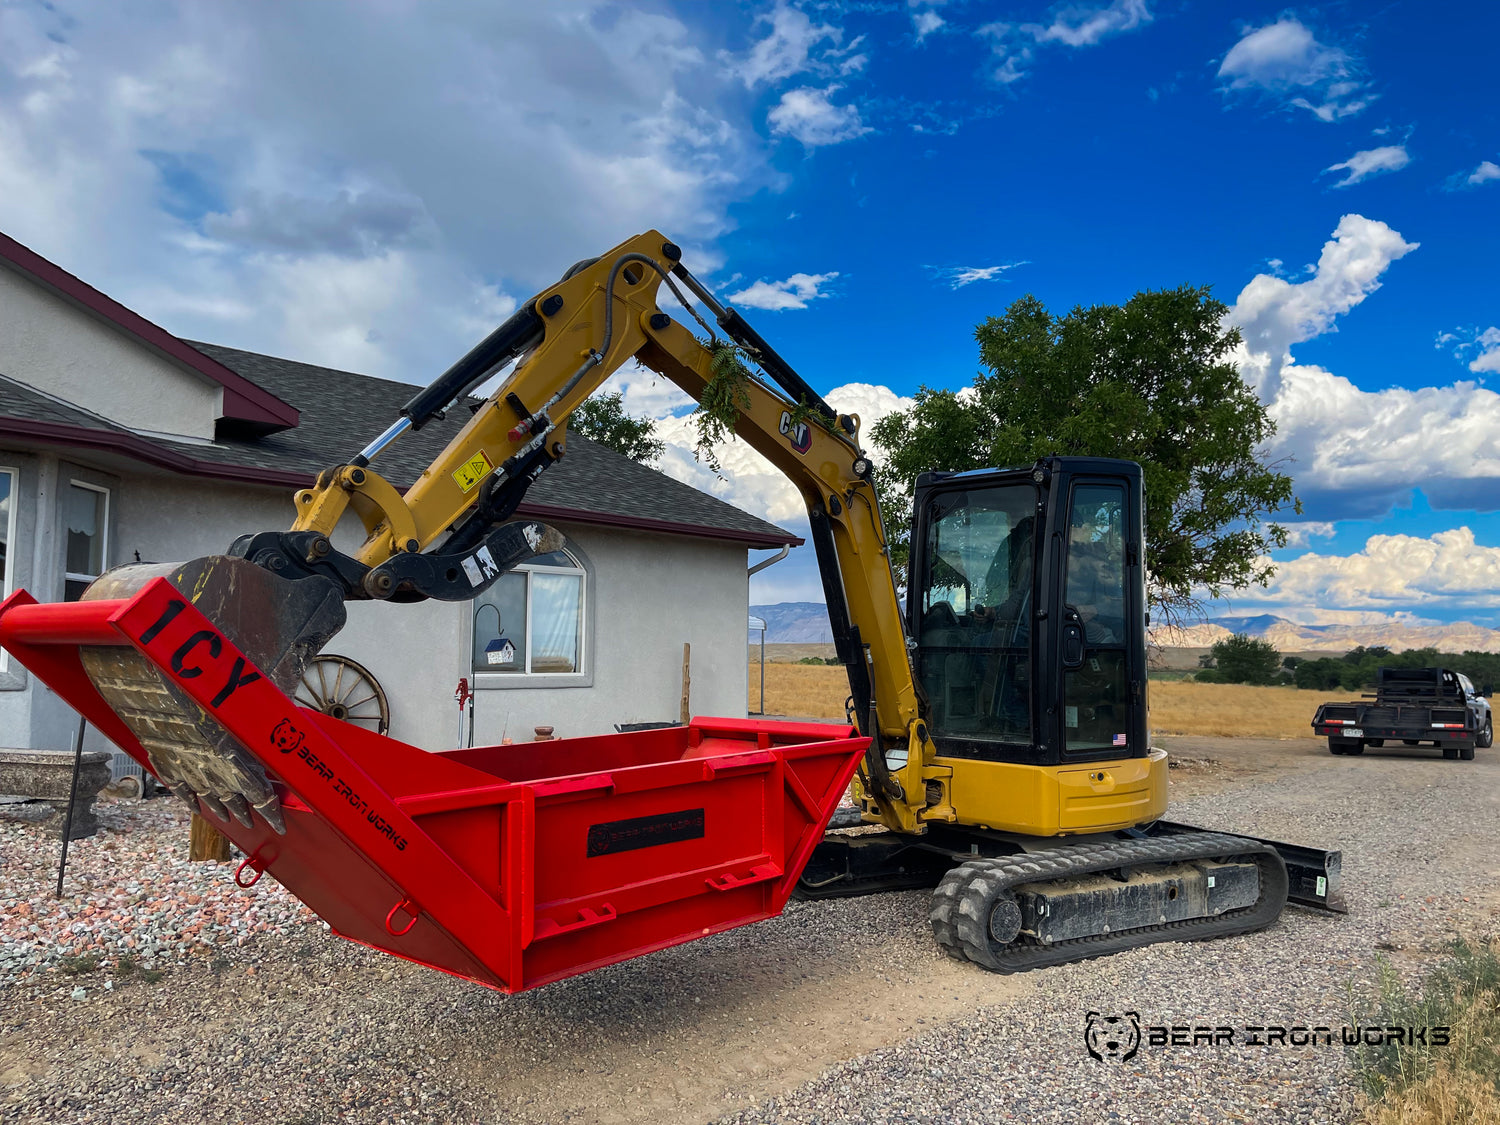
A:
x: 510, y: 865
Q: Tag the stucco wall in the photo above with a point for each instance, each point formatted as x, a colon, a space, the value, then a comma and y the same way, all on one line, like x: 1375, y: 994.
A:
x: 63, y: 351
x: 30, y: 715
x: 646, y: 596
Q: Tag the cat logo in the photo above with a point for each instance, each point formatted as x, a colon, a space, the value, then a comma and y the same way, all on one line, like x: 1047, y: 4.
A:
x: 798, y: 433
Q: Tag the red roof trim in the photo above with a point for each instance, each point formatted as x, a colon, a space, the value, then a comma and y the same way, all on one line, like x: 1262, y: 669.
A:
x: 116, y: 441
x: 243, y: 400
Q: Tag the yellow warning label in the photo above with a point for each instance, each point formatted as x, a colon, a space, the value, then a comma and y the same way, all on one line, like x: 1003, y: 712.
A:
x: 472, y: 471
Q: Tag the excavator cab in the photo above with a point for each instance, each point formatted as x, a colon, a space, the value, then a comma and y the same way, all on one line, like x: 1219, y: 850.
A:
x: 1026, y: 604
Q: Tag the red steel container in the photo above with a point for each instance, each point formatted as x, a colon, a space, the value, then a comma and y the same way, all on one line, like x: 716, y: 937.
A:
x: 510, y: 865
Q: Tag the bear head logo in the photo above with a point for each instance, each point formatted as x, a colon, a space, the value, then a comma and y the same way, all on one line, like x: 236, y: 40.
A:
x: 1117, y: 1038
x: 286, y: 737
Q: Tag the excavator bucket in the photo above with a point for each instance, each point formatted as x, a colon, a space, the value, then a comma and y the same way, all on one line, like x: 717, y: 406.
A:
x: 513, y: 865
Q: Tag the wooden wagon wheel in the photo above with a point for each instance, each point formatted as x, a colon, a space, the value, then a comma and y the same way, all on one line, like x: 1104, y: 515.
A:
x: 345, y: 689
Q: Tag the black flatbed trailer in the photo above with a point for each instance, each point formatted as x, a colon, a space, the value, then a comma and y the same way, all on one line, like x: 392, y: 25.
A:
x: 1413, y: 706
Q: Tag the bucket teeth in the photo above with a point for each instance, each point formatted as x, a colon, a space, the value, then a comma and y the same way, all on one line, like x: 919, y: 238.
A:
x: 271, y: 811
x: 239, y: 808
x: 215, y: 806
x: 279, y: 625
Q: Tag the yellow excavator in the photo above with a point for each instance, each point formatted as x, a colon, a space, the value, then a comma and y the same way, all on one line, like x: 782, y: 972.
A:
x: 1000, y: 750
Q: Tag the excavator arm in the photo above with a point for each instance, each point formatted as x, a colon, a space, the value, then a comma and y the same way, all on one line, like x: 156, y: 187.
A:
x: 446, y: 536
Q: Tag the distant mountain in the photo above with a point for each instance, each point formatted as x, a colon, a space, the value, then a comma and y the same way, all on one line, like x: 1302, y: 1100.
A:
x: 794, y: 623
x: 807, y: 623
x: 1288, y: 636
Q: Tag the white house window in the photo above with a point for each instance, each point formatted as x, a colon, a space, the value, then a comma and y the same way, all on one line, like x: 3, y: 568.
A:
x: 86, y: 521
x: 530, y: 622
x: 8, y: 506
x: 7, y: 528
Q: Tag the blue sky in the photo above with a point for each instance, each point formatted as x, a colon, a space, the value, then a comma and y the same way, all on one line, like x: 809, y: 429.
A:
x: 372, y: 186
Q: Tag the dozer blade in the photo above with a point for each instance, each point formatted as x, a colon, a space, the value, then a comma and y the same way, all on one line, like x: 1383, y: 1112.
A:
x: 277, y: 623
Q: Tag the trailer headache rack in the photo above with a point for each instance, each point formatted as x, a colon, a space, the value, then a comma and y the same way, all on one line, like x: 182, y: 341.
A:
x: 512, y: 866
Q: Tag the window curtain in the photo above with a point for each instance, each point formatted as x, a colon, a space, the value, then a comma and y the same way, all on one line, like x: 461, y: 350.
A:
x: 555, y: 604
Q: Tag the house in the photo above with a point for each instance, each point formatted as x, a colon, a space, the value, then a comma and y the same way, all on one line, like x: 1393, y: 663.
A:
x: 120, y: 442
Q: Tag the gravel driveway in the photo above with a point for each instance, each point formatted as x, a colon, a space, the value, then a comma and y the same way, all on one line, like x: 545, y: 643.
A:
x: 835, y: 1012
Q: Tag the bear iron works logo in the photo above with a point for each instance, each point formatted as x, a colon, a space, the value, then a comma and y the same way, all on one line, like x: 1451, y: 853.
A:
x: 1116, y: 1038
x: 286, y: 737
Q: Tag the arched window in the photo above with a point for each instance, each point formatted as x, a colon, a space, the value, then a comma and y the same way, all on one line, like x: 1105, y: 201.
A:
x: 530, y: 622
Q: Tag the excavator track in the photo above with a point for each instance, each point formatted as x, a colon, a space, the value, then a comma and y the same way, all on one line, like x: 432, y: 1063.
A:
x: 966, y: 901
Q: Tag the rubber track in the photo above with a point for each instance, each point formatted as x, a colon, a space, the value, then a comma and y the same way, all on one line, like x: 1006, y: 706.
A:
x: 962, y: 901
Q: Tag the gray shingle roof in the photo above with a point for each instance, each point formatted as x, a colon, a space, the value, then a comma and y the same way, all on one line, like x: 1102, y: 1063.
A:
x: 17, y: 400
x: 341, y: 411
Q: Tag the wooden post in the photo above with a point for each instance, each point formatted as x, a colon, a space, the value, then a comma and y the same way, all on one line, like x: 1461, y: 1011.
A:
x: 204, y: 842
x: 687, y: 680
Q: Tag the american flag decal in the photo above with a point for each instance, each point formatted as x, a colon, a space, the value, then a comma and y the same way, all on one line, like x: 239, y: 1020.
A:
x: 1119, y: 740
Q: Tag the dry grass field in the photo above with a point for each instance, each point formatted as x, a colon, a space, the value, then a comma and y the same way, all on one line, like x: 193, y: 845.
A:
x: 1233, y: 710
x: 807, y: 691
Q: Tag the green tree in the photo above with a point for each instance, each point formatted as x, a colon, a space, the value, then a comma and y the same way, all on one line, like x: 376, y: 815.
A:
x: 602, y: 418
x: 1245, y: 660
x: 1151, y: 381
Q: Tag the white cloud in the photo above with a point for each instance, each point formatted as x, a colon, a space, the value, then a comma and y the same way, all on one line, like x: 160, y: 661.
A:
x: 1371, y: 162
x: 212, y: 168
x: 793, y: 293
x: 1075, y: 25
x: 808, y: 115
x: 1358, y: 452
x: 1488, y: 170
x: 1483, y: 346
x: 1285, y: 59
x: 1488, y: 359
x: 1447, y: 570
x: 959, y: 276
x: 794, y: 45
x: 1353, y: 452
x: 1082, y: 25
x: 750, y: 481
x: 1273, y: 313
x: 1302, y: 534
x: 925, y: 23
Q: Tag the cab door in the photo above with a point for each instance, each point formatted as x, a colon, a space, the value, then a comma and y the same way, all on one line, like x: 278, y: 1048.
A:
x: 1100, y: 704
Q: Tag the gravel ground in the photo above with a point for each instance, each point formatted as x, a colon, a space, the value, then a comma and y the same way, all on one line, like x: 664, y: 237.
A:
x: 129, y: 892
x: 836, y: 1012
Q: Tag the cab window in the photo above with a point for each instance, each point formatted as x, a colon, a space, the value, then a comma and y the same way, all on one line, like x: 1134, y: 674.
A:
x: 974, y: 612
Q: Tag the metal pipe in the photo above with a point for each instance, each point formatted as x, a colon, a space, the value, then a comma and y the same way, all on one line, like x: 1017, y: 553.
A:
x: 67, y: 832
x: 772, y: 561
x: 786, y: 549
x: 62, y: 623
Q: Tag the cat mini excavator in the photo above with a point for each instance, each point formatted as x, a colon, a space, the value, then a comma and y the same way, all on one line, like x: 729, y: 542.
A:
x: 997, y: 748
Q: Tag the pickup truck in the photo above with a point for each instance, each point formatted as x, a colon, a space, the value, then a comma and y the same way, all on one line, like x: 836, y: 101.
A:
x: 1416, y: 706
